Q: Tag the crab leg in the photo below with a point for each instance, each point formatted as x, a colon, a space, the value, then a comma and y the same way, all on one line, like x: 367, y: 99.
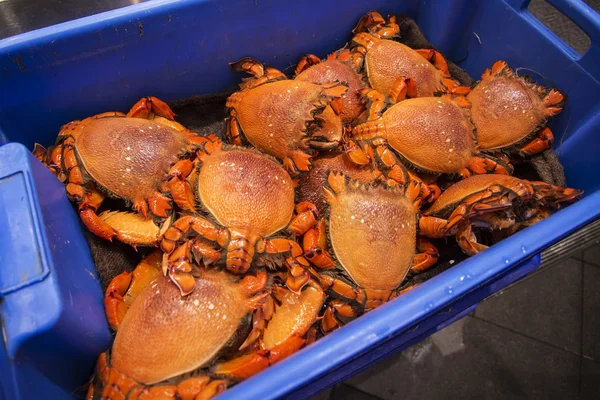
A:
x: 554, y: 195
x: 426, y: 257
x: 298, y: 277
x: 374, y: 23
x: 485, y: 164
x: 376, y: 298
x: 178, y: 263
x: 362, y: 43
x: 159, y: 204
x: 454, y: 89
x: 132, y: 228
x: 114, y: 305
x: 75, y: 186
x: 117, y: 386
x: 467, y: 241
x: 209, y: 391
x: 260, y: 73
x: 354, y: 57
x: 342, y: 288
x: 177, y: 181
x: 179, y: 187
x: 53, y: 161
x: 497, y: 68
x: 376, y: 103
x: 234, y: 130
x: 329, y: 322
x: 433, y: 227
x: 123, y: 289
x: 437, y: 59
x: 260, y: 316
x: 329, y: 134
x: 314, y: 244
x: 396, y: 171
x: 357, y: 154
x: 114, y: 383
x: 87, y: 212
x: 205, y: 252
x: 403, y: 87
x: 543, y: 141
x: 553, y: 98
x: 149, y: 106
x: 306, y: 217
x: 306, y: 62
x: 249, y: 365
x: 494, y: 198
x: 201, y: 226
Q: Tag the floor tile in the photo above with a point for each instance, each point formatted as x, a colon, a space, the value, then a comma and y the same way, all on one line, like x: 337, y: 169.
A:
x: 495, y: 364
x: 591, y: 312
x: 324, y: 395
x: 578, y: 255
x: 590, y: 380
x: 546, y: 307
x: 345, y: 392
x: 592, y: 254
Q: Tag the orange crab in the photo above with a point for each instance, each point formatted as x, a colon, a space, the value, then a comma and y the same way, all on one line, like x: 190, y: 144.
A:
x: 310, y: 185
x: 491, y: 202
x: 337, y: 67
x: 287, y: 119
x: 281, y: 328
x: 433, y: 135
x: 372, y: 232
x: 165, y: 342
x: 126, y: 156
x: 510, y: 112
x: 246, y: 198
x: 397, y: 70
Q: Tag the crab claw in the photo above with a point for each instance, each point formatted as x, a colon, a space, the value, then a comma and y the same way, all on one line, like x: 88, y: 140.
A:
x: 123, y: 289
x: 249, y: 365
x: 113, y: 299
x: 147, y: 105
x: 132, y: 228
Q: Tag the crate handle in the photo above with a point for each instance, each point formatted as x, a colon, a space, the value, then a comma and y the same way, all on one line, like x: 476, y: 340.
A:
x: 582, y: 15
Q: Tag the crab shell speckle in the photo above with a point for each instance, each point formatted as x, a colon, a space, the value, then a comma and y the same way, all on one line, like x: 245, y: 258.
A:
x: 388, y: 60
x: 164, y: 335
x: 433, y: 134
x: 342, y: 71
x: 505, y: 110
x: 373, y: 234
x: 128, y: 156
x: 310, y: 185
x: 246, y: 190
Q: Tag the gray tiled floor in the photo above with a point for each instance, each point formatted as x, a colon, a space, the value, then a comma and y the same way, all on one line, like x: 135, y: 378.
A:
x: 591, y: 311
x: 537, y: 339
x: 547, y: 308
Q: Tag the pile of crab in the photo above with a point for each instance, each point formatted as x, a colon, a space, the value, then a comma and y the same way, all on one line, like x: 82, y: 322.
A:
x: 317, y: 209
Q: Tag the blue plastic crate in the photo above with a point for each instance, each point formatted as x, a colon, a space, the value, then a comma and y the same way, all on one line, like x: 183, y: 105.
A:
x: 51, y: 309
